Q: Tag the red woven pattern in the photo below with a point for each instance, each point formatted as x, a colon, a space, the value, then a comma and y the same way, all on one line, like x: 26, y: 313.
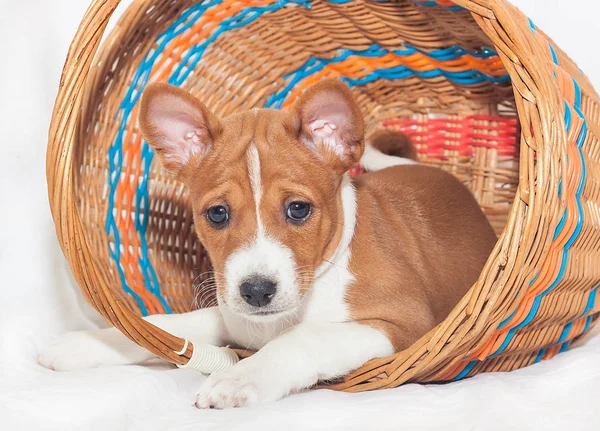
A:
x: 439, y: 137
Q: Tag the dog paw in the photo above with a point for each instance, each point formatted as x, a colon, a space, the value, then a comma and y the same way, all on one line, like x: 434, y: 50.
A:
x: 227, y: 389
x: 90, y: 349
x: 235, y: 387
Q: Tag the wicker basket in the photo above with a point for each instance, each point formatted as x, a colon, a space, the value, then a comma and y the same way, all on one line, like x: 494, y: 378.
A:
x: 482, y: 91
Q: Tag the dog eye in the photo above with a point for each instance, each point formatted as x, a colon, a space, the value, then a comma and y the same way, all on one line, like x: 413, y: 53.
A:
x: 218, y: 215
x: 298, y: 212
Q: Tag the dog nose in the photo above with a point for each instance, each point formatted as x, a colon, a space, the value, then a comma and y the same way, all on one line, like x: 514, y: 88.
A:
x: 258, y: 291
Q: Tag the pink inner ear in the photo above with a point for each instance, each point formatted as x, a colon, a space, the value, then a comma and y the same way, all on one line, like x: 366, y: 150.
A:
x: 327, y: 128
x: 323, y: 127
x: 181, y: 131
x: 325, y: 133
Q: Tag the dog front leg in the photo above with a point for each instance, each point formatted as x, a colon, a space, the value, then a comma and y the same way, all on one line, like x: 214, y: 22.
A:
x: 109, y: 347
x: 295, y: 360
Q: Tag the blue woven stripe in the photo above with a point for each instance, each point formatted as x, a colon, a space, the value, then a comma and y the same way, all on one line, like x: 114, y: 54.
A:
x: 505, y: 321
x: 554, y: 56
x: 588, y: 322
x: 590, y: 303
x: 116, y: 151
x: 567, y: 329
x: 430, y: 3
x: 314, y: 65
x: 466, y: 370
x: 140, y: 80
x: 580, y: 140
x: 565, y: 332
x: 508, y: 319
x: 564, y: 347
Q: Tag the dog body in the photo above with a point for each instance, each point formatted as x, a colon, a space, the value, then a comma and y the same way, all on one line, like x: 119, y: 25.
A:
x: 319, y: 271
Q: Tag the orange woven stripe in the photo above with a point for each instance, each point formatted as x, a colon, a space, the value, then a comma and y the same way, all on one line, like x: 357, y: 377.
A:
x: 125, y: 194
x: 359, y: 67
x: 132, y: 145
x: 551, y: 266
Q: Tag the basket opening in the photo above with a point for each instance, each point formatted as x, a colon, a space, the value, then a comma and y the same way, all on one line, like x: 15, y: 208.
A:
x: 424, y: 68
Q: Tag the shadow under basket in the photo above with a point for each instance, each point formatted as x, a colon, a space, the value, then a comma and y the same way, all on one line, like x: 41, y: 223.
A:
x: 482, y: 91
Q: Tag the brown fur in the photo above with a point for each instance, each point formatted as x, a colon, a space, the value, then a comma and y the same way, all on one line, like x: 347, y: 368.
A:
x: 282, y: 181
x: 420, y: 238
x: 420, y: 243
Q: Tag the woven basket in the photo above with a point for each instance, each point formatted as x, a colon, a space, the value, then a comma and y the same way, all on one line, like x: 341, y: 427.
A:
x: 482, y: 91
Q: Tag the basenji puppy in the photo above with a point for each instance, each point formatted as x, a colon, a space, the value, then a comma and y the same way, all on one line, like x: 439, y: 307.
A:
x: 318, y: 271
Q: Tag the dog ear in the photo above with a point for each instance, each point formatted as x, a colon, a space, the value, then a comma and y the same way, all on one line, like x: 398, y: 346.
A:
x: 177, y: 125
x: 330, y: 123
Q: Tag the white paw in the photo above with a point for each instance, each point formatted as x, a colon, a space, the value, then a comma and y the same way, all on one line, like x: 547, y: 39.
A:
x: 237, y: 387
x: 91, y: 349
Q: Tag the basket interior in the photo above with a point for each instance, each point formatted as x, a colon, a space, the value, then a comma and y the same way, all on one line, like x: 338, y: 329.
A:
x: 422, y: 67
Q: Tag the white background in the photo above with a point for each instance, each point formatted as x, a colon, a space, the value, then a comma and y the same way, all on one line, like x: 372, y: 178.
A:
x: 37, y: 299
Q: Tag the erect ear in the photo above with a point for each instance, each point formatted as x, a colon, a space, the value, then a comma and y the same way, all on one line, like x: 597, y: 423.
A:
x: 330, y: 123
x: 176, y: 125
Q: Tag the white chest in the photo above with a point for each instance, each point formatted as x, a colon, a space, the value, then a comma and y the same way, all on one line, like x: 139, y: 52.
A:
x: 327, y: 301
x: 253, y: 334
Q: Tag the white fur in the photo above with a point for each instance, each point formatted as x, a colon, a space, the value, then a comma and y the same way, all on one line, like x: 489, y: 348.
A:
x: 253, y: 160
x: 179, y: 150
x: 263, y: 256
x: 326, y: 133
x: 109, y: 347
x: 255, y: 333
x: 266, y: 257
x: 375, y: 160
x: 317, y: 340
x: 327, y: 298
x: 296, y: 360
x: 91, y: 349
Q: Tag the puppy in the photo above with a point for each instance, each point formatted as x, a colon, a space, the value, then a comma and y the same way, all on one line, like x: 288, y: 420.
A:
x: 317, y: 271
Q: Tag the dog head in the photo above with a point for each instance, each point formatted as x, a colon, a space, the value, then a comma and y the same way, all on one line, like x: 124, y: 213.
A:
x: 265, y: 187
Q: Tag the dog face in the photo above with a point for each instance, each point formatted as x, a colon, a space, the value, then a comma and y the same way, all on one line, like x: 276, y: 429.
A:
x: 264, y: 186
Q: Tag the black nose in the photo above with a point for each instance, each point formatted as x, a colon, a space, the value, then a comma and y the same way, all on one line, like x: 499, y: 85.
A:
x: 258, y: 291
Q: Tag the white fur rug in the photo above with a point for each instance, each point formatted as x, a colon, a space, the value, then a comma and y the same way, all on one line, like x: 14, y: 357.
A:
x: 38, y: 301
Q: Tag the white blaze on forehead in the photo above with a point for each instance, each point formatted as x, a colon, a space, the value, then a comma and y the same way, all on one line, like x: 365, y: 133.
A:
x: 254, y: 173
x: 261, y: 255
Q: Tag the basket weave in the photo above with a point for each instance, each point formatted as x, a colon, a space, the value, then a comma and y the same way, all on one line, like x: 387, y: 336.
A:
x: 482, y: 91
